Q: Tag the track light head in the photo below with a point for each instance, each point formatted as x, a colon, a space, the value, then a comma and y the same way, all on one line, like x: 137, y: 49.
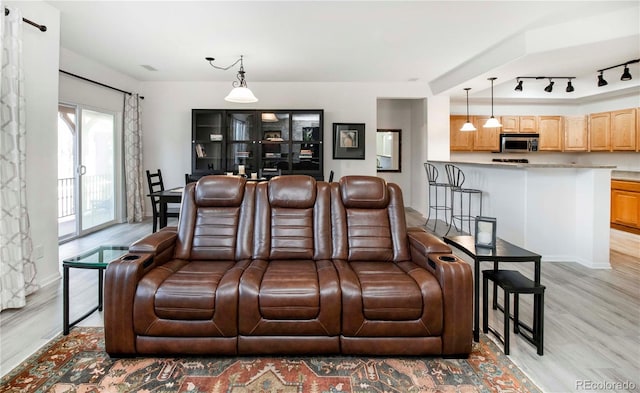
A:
x: 626, y: 75
x: 601, y: 81
x: 570, y: 87
x: 519, y: 86
x: 549, y: 87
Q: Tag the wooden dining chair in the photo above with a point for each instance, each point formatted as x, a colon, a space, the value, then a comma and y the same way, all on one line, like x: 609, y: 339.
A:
x: 156, y: 184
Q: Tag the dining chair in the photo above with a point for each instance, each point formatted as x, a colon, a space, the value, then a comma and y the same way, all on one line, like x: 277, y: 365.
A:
x: 156, y: 184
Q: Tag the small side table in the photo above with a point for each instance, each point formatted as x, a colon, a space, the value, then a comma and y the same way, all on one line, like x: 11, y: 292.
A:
x: 98, y: 258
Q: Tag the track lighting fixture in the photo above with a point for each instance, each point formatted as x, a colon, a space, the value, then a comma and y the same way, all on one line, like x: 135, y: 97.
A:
x: 468, y: 126
x: 626, y: 75
x: 492, y: 122
x: 519, y: 86
x: 549, y: 87
x: 601, y: 81
x: 569, y: 87
x: 240, y: 92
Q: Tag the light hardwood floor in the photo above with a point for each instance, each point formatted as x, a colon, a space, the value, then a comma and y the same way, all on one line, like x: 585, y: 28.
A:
x: 592, y: 317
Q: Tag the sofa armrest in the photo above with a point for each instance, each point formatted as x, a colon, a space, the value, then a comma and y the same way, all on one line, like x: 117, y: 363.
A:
x: 120, y: 283
x: 456, y: 281
x: 424, y: 243
x: 160, y: 244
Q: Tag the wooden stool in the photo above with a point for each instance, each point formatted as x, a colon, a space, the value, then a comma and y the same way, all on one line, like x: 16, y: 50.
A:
x: 512, y: 281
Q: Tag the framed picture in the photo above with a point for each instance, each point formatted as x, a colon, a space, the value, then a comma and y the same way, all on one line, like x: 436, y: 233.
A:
x: 310, y: 133
x: 348, y: 141
x: 485, y: 232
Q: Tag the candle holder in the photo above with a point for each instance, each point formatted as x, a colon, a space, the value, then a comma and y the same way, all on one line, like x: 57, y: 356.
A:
x: 485, y: 236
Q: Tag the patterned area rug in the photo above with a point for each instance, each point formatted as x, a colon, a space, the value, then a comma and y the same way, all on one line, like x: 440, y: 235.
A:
x: 78, y: 363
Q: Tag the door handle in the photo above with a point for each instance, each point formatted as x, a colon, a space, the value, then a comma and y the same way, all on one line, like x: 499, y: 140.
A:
x: 82, y: 170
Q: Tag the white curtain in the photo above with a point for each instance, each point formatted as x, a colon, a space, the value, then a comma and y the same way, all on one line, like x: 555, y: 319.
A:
x: 17, y: 265
x: 133, y: 158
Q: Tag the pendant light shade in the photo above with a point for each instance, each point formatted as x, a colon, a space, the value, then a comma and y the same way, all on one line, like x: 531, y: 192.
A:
x: 468, y: 126
x: 241, y: 95
x: 492, y: 122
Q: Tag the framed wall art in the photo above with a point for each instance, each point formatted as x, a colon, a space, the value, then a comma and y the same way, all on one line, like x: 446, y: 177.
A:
x: 348, y: 141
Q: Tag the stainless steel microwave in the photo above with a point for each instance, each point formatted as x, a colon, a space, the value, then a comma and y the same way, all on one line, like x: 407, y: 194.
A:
x: 519, y: 143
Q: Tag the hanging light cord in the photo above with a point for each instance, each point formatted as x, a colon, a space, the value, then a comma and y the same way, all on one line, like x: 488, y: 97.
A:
x: 241, y: 81
x: 467, y: 89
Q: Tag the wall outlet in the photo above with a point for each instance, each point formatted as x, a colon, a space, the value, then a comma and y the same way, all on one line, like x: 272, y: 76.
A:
x: 38, y: 252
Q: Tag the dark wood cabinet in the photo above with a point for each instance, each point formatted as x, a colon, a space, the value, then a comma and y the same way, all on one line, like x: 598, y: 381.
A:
x: 266, y: 142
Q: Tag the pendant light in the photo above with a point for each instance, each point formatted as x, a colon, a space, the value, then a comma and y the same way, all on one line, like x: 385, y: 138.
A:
x: 240, y: 93
x: 492, y: 122
x: 468, y: 126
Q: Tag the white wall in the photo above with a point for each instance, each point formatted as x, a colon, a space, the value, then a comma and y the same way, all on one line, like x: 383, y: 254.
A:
x: 40, y: 60
x: 167, y: 117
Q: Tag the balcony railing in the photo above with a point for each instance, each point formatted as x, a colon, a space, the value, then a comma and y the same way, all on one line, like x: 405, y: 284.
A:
x: 97, y: 193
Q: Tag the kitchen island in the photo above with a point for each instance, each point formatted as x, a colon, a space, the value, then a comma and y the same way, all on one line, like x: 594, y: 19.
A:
x: 561, y: 211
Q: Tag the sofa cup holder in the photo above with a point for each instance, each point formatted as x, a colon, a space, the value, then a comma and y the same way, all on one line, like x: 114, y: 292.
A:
x: 447, y: 258
x: 130, y: 257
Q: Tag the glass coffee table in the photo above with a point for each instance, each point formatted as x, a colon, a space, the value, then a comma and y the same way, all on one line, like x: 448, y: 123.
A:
x: 98, y: 258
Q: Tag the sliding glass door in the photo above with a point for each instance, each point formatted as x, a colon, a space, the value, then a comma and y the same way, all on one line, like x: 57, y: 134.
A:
x: 87, y: 170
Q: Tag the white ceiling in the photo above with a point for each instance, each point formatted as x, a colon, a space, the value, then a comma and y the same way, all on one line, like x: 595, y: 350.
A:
x: 446, y: 45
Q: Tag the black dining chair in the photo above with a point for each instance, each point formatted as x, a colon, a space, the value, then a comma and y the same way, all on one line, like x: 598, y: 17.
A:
x: 156, y: 184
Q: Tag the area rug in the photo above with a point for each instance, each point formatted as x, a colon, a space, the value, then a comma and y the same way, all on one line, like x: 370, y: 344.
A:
x: 78, y: 363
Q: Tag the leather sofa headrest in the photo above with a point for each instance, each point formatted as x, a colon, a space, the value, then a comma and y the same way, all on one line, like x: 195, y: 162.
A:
x: 364, y: 192
x: 219, y: 191
x: 294, y: 191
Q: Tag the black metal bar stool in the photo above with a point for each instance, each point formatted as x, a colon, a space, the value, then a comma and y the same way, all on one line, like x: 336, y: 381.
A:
x: 432, y: 179
x: 456, y: 180
x: 512, y: 281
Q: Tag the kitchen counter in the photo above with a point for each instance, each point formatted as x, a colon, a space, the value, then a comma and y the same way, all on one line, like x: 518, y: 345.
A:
x: 560, y: 211
x: 532, y: 165
x: 625, y: 175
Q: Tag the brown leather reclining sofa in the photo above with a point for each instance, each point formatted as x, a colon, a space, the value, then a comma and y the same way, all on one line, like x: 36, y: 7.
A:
x: 289, y: 266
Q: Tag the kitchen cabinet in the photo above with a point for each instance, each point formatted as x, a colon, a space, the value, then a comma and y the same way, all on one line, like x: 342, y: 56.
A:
x: 623, y: 130
x: 460, y: 140
x: 551, y: 132
x: 519, y: 124
x: 486, y: 139
x: 267, y: 142
x: 600, y: 131
x: 625, y: 205
x: 576, y: 137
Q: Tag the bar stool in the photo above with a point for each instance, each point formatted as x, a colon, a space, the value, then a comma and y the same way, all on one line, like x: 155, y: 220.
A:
x: 512, y: 281
x: 456, y: 180
x: 432, y: 178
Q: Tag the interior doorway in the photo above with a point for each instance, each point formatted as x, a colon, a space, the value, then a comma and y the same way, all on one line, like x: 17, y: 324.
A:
x: 87, y: 171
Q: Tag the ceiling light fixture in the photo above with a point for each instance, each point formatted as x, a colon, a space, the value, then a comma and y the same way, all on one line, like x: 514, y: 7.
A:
x: 601, y: 81
x: 240, y: 92
x: 468, y: 126
x: 269, y: 117
x: 549, y: 87
x: 570, y: 88
x: 492, y: 122
x: 626, y: 75
x: 519, y: 86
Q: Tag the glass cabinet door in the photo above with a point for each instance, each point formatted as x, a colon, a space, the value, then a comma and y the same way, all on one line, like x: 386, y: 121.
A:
x: 208, y: 141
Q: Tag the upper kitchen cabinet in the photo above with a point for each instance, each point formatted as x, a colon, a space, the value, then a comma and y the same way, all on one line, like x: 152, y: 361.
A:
x: 519, y: 124
x: 623, y: 130
x: 551, y: 133
x: 576, y: 137
x: 600, y: 131
x: 460, y: 140
x: 486, y: 139
x: 613, y: 131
